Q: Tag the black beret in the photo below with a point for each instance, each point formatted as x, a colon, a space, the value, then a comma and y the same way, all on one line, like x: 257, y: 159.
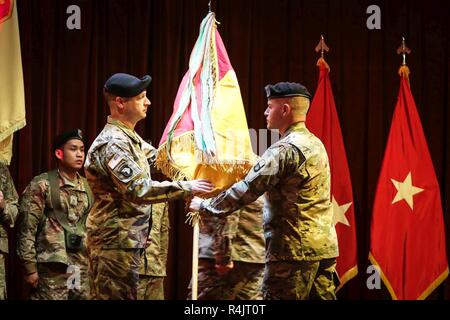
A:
x: 66, y: 136
x: 125, y: 85
x: 286, y: 89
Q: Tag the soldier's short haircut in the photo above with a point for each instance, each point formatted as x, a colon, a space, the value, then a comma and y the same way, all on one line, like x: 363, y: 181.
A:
x: 300, y: 105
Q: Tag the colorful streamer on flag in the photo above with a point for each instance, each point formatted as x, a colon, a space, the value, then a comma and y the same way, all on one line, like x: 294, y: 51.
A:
x: 207, y: 135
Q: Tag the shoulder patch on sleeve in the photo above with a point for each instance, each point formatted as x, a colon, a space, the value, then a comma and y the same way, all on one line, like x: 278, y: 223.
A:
x: 114, y: 161
x: 302, y: 157
x: 261, y: 163
x: 124, y: 168
x: 267, y: 165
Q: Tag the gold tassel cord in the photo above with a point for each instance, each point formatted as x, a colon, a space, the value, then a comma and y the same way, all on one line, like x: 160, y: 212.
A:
x: 322, y: 62
x: 404, y: 72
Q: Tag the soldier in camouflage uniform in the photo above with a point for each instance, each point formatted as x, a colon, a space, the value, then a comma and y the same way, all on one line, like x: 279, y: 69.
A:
x: 51, y: 238
x: 231, y: 255
x: 154, y: 259
x: 118, y: 172
x: 301, y: 242
x: 8, y: 215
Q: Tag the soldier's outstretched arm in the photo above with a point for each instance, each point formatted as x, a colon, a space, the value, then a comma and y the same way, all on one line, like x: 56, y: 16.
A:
x: 136, y: 184
x: 275, y: 164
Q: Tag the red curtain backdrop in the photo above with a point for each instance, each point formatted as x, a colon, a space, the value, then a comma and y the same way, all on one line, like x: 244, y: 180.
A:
x: 267, y: 41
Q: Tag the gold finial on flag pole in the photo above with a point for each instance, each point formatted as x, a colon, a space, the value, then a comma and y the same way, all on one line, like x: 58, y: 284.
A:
x: 322, y: 46
x: 403, y: 50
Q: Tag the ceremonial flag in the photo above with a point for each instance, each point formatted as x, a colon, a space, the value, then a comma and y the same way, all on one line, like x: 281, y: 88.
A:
x: 207, y: 135
x: 323, y: 121
x: 407, y: 231
x: 12, y: 99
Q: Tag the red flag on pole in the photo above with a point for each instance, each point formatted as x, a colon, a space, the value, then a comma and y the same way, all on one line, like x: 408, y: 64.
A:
x: 323, y: 121
x: 407, y: 231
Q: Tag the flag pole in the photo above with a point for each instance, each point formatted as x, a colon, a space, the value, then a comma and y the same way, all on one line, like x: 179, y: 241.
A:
x: 193, y: 218
x: 322, y: 46
x: 403, y: 50
x: 196, y: 234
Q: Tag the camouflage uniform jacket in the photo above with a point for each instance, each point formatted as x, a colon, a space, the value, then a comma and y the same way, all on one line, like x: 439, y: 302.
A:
x: 8, y: 215
x: 154, y: 260
x: 237, y: 237
x: 118, y: 173
x: 40, y: 236
x: 298, y: 216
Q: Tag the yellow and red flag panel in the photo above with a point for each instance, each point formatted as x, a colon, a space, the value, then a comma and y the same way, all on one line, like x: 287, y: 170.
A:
x: 207, y: 135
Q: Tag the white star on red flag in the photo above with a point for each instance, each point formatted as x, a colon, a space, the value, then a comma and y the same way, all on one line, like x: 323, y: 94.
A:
x: 405, y: 190
x: 339, y: 212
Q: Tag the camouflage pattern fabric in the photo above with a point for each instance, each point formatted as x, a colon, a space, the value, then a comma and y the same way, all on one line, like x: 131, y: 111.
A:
x: 300, y: 280
x: 41, y: 238
x: 153, y: 262
x: 118, y: 170
x: 8, y: 217
x: 237, y: 237
x: 294, y: 174
x: 118, y: 173
x: 298, y: 216
x: 243, y: 282
x: 151, y: 288
x: 59, y: 282
x: 2, y: 276
x: 113, y: 273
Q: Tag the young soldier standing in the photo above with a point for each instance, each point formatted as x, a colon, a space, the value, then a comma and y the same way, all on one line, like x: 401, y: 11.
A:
x: 51, y: 240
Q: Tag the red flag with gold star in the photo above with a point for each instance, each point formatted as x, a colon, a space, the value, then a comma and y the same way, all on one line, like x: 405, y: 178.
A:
x: 407, y: 231
x: 323, y: 121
